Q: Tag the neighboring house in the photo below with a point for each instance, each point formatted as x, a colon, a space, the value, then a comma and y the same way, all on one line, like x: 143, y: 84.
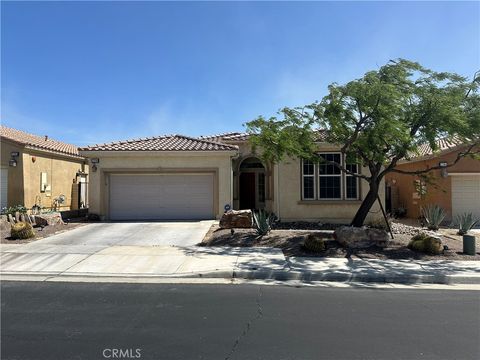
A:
x: 35, y: 170
x: 456, y: 189
x: 180, y: 177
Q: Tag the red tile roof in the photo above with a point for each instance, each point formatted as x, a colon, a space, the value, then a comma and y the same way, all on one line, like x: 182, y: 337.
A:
x: 163, y: 143
x: 38, y: 142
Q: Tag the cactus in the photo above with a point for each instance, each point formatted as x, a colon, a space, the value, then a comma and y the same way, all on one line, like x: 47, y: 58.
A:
x: 313, y: 243
x: 22, y: 230
x: 263, y: 222
x: 427, y: 244
x: 434, y: 216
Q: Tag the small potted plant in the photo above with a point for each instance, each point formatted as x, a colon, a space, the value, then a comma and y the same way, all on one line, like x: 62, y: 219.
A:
x: 465, y: 222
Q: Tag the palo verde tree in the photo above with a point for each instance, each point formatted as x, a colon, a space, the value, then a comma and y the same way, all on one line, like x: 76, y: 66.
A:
x: 380, y: 118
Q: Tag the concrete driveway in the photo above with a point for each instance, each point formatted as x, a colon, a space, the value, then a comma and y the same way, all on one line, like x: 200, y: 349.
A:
x: 133, y: 234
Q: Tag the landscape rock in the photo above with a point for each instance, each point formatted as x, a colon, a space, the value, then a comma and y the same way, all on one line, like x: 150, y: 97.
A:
x: 236, y: 219
x: 361, y: 238
x: 378, y: 237
x: 48, y: 219
x: 5, y: 225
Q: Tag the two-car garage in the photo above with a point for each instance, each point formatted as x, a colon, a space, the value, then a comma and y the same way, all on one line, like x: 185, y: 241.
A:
x: 148, y: 196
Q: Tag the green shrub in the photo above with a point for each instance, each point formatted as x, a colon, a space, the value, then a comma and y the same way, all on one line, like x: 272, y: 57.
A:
x: 465, y: 222
x: 13, y: 209
x: 314, y: 243
x: 262, y: 222
x: 22, y: 230
x: 433, y: 215
x: 425, y: 243
x: 379, y: 223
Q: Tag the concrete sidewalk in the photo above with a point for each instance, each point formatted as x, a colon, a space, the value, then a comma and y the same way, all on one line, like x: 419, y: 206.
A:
x: 43, y: 261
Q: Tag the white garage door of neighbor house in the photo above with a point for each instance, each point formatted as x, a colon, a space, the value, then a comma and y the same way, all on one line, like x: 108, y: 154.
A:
x: 161, y: 197
x: 3, y: 187
x: 466, y: 194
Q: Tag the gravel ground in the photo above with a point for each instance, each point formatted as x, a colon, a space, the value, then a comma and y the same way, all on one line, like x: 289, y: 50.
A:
x: 41, y: 233
x: 291, y: 243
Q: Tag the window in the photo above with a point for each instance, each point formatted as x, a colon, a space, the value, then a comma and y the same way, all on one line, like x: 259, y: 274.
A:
x: 332, y: 183
x: 329, y: 177
x: 351, y: 182
x: 308, y: 178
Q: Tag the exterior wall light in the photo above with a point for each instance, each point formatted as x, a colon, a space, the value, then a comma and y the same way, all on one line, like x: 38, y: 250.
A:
x: 12, y: 162
x: 443, y: 171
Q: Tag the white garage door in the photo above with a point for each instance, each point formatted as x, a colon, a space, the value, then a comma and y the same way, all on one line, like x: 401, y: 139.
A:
x: 161, y: 197
x: 3, y: 187
x: 466, y: 194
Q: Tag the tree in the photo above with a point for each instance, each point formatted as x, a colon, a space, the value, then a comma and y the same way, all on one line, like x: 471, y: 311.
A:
x: 381, y: 118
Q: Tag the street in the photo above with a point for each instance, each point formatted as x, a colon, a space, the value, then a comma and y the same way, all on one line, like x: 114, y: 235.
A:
x: 47, y: 320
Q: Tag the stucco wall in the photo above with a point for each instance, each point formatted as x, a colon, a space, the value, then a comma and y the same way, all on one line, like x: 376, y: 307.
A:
x: 61, y: 174
x: 15, y: 194
x: 439, y: 192
x: 220, y: 163
x: 289, y: 206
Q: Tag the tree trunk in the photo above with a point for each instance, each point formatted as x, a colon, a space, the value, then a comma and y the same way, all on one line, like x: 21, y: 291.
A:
x: 366, y: 205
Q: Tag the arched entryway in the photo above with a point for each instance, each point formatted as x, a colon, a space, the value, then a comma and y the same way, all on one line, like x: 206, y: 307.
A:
x: 252, y: 184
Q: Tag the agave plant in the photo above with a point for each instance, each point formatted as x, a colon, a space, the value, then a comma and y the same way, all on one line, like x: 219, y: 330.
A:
x: 263, y: 222
x: 465, y: 222
x: 434, y: 216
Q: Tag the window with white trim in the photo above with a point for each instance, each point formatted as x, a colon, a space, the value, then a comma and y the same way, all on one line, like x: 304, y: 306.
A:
x: 325, y: 181
x: 308, y: 180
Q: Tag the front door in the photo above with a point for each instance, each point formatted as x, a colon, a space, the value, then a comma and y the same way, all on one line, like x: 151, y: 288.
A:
x: 247, y: 190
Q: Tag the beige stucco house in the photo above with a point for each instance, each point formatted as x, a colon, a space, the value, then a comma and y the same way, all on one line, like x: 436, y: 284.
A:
x: 36, y: 170
x: 180, y: 177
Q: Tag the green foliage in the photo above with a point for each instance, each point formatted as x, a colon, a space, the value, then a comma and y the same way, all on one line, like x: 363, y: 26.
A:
x: 427, y: 244
x: 465, y: 222
x: 13, y: 209
x: 434, y: 215
x: 22, y: 230
x: 263, y: 222
x: 382, y: 117
x: 314, y: 243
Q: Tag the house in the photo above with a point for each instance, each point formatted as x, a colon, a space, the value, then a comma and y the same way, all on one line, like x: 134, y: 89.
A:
x: 36, y: 170
x: 456, y: 189
x: 181, y: 177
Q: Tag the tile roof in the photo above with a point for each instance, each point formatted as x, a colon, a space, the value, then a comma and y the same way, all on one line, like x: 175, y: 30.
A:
x: 162, y: 143
x: 243, y: 136
x: 441, y: 145
x: 38, y: 142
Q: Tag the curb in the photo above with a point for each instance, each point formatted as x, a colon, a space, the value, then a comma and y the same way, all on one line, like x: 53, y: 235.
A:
x: 276, y: 275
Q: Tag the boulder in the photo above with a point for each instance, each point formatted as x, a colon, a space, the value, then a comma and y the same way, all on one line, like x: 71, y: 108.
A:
x: 360, y: 238
x: 5, y: 225
x: 378, y: 236
x: 48, y: 219
x: 236, y: 219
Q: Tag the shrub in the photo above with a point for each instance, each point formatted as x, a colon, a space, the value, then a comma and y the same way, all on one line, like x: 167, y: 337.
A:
x: 433, y: 215
x: 22, y: 230
x: 379, y: 223
x: 13, y: 209
x: 262, y: 222
x: 427, y: 244
x: 314, y: 243
x: 465, y: 222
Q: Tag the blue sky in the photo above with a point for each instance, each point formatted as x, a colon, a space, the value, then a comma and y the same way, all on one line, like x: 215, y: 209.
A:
x: 90, y: 72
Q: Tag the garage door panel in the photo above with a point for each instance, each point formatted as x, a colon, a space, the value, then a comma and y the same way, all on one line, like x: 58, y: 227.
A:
x: 161, y: 197
x: 466, y: 194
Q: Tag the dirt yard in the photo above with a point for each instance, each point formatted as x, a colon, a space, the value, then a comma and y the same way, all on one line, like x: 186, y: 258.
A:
x: 41, y: 233
x: 291, y: 243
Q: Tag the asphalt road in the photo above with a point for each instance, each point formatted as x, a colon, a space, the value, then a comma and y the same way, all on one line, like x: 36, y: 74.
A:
x: 89, y: 321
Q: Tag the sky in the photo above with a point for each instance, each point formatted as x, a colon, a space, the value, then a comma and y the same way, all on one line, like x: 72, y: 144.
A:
x: 92, y: 72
